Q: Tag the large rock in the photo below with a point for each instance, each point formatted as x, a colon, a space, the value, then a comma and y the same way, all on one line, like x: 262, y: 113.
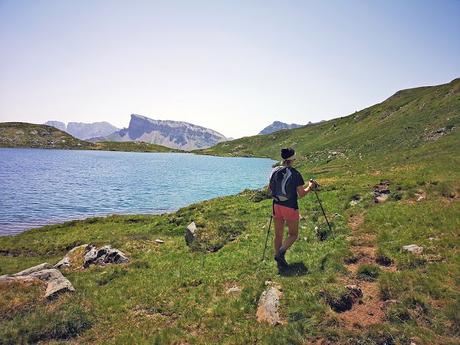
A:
x: 33, y: 269
x: 269, y: 303
x: 104, y: 255
x: 74, y: 258
x: 57, y: 283
x: 190, y: 233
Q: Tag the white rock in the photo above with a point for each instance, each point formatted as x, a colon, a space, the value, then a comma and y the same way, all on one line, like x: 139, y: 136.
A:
x: 269, y: 303
x: 159, y: 241
x: 233, y: 290
x: 413, y: 248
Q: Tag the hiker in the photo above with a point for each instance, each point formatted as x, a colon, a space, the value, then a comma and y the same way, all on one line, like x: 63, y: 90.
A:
x: 286, y: 186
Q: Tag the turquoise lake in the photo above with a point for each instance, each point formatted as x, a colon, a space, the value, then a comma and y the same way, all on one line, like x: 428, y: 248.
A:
x: 39, y: 187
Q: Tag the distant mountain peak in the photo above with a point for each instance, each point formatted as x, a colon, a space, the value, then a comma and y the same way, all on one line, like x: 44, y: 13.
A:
x: 278, y: 126
x: 174, y: 134
x: 84, y: 131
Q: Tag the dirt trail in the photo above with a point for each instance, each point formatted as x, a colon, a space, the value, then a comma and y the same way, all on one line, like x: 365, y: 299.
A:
x: 370, y: 309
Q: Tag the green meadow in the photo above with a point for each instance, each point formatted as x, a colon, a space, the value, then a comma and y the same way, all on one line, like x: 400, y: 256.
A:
x: 170, y: 293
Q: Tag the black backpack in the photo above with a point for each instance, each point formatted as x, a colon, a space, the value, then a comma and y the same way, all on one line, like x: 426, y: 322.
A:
x: 279, y: 180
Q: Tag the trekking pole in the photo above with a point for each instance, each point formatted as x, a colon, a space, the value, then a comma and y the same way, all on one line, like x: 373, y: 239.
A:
x: 320, y: 204
x: 266, y: 239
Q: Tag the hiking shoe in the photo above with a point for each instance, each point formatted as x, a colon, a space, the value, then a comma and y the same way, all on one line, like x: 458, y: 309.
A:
x: 280, y: 259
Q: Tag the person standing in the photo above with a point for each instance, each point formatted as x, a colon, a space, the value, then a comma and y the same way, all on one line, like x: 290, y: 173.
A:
x: 286, y: 186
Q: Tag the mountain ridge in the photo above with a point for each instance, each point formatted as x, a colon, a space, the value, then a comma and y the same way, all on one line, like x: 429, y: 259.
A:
x: 175, y: 134
x: 276, y: 126
x: 83, y: 130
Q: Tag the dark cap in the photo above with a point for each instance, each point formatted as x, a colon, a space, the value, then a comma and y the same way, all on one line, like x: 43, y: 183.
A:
x: 287, y: 153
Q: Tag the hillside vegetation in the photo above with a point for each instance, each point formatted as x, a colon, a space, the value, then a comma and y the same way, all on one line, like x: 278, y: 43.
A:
x: 390, y: 178
x: 21, y: 134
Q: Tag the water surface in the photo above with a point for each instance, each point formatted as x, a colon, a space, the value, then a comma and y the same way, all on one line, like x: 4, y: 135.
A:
x: 39, y: 186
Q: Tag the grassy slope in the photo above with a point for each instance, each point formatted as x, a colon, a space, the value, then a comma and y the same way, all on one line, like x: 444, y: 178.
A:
x: 169, y: 293
x: 21, y: 134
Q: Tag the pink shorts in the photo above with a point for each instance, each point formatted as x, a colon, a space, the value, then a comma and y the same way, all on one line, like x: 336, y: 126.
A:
x: 285, y: 213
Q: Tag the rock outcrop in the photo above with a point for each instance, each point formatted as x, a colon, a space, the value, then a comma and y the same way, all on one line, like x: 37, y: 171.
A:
x: 173, y: 134
x: 87, y: 254
x: 56, y: 283
x: 85, y: 131
x: 74, y: 258
x: 103, y: 256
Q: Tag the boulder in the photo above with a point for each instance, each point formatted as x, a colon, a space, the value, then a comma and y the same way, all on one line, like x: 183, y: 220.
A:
x: 413, y: 248
x: 190, y: 233
x: 104, y: 255
x: 57, y: 283
x: 33, y: 269
x: 73, y: 258
x: 269, y: 302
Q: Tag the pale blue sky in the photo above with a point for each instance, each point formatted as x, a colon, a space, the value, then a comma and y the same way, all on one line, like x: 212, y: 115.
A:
x: 233, y: 66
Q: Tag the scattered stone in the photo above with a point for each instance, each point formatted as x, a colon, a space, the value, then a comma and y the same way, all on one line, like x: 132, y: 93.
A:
x: 104, y: 255
x: 355, y: 200
x: 233, y: 290
x: 190, y: 233
x: 269, y: 303
x: 33, y: 269
x: 413, y: 248
x: 159, y: 241
x: 381, y: 192
x: 420, y: 195
x: 438, y: 133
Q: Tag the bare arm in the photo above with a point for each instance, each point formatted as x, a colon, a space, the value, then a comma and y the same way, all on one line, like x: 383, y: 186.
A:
x: 301, y: 191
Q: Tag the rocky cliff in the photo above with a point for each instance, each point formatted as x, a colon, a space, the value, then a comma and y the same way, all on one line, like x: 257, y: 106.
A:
x: 173, y: 134
x: 85, y: 131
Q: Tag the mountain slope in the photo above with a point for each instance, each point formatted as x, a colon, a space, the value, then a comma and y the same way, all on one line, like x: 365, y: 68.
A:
x: 174, y: 134
x: 408, y: 119
x: 278, y: 126
x: 170, y: 293
x: 85, y: 131
x: 21, y: 134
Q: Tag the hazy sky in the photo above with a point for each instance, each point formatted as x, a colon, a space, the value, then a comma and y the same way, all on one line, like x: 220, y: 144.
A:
x: 233, y: 66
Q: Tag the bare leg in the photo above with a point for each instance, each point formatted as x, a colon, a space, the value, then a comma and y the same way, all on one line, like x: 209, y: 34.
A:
x: 293, y: 226
x: 279, y: 229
